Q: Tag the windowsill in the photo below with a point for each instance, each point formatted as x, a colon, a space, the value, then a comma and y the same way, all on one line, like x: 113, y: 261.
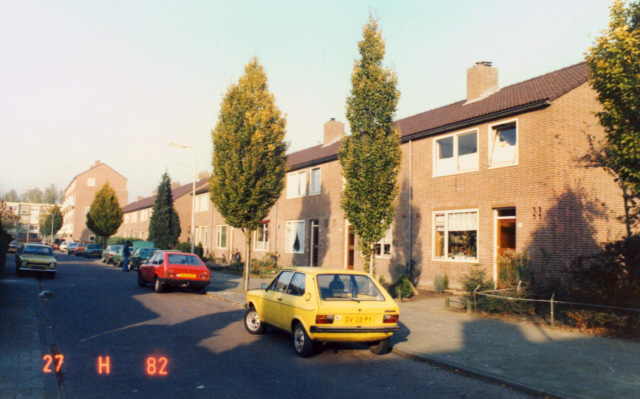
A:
x: 457, y: 173
x: 502, y: 165
x: 455, y: 260
x: 383, y: 256
x: 300, y: 196
x: 293, y: 252
x: 221, y: 248
x: 260, y: 250
x: 312, y: 194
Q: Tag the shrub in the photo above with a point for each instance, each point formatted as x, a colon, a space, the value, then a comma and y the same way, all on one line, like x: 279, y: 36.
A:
x: 402, y: 287
x: 438, y: 283
x: 265, y: 266
x: 476, y: 277
x: 198, y: 250
x: 446, y: 281
x: 382, y: 280
x: 184, y: 247
x: 514, y: 269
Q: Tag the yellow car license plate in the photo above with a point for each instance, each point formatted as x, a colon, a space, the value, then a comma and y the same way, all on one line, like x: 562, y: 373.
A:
x: 359, y: 319
x: 186, y: 275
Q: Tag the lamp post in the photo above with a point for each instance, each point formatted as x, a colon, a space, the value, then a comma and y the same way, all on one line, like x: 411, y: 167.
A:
x: 193, y: 199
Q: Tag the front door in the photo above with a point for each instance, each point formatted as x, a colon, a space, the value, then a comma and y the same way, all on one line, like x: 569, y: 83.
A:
x: 505, y: 234
x: 351, y: 248
x: 315, y: 229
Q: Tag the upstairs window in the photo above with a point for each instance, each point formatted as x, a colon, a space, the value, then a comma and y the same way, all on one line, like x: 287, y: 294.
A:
x: 91, y: 182
x: 314, y: 184
x: 504, y: 145
x: 456, y: 153
x: 134, y: 217
x: 297, y: 184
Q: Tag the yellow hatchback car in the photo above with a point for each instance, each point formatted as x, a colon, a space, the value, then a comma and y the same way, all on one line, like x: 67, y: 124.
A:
x: 324, y: 305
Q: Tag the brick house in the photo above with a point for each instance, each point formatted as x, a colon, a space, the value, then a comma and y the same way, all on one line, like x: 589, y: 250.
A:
x: 79, y: 195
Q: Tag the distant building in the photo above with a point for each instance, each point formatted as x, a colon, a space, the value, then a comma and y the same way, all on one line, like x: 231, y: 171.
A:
x: 79, y: 195
x: 30, y: 217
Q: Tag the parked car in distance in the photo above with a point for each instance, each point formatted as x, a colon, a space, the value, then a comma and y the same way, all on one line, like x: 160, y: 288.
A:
x: 93, y: 250
x: 71, y: 248
x: 12, y: 247
x: 36, y: 257
x: 79, y: 251
x: 140, y: 256
x: 118, y: 257
x: 64, y: 245
x: 107, y: 254
x: 174, y: 268
x: 324, y: 305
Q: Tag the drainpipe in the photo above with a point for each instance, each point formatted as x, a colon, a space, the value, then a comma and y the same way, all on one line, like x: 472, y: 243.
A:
x: 410, y: 212
x: 275, y: 232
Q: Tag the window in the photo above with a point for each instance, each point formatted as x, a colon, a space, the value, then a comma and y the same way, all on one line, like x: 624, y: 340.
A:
x: 202, y: 202
x: 280, y: 284
x: 144, y: 215
x: 503, y: 145
x: 314, y: 184
x: 295, y: 237
x: 202, y: 233
x: 262, y: 237
x: 134, y: 217
x: 91, y: 182
x: 455, y: 235
x: 456, y: 153
x: 383, y: 247
x: 296, y: 287
x: 92, y: 238
x: 142, y: 235
x: 87, y: 209
x: 133, y: 234
x: 297, y: 184
x: 127, y: 217
x: 222, y: 236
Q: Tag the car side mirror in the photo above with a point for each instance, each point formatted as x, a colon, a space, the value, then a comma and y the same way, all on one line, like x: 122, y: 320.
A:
x: 263, y: 286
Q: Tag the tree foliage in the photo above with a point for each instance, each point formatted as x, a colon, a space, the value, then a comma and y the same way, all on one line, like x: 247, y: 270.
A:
x: 51, y: 195
x: 12, y: 196
x: 55, y: 217
x: 249, y: 158
x: 105, y: 215
x: 370, y: 156
x: 164, y: 224
x: 614, y: 65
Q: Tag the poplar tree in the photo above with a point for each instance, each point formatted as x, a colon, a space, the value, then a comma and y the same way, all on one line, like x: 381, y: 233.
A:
x: 105, y: 215
x: 55, y: 217
x: 614, y: 66
x: 249, y: 158
x: 164, y: 224
x: 370, y: 156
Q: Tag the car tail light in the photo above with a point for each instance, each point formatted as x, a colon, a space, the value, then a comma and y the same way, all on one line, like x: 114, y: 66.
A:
x: 391, y: 318
x: 170, y: 274
x: 204, y: 276
x: 324, y: 319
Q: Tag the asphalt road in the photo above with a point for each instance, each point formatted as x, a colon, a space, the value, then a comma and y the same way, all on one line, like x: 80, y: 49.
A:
x: 97, y: 311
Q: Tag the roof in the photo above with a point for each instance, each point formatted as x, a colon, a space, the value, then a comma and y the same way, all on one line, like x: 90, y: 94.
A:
x: 149, y: 201
x: 521, y: 97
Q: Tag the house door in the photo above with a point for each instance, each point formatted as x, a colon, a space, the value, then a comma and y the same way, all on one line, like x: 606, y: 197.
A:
x: 315, y: 230
x: 351, y: 248
x: 505, y: 233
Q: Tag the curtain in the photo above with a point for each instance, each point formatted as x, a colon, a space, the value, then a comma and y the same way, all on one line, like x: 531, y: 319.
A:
x: 463, y: 221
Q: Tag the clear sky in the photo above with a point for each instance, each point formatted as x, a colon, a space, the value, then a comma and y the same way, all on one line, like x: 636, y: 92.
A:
x: 117, y: 80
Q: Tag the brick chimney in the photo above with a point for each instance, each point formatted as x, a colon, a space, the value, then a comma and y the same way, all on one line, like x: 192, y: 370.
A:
x: 333, y: 132
x: 154, y: 192
x: 482, y: 81
x: 140, y: 198
x: 203, y: 175
x: 96, y: 163
x: 175, y: 184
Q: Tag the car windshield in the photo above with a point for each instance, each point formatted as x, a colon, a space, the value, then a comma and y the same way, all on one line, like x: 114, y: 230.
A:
x: 347, y: 287
x: 94, y: 246
x: 116, y: 248
x: 146, y: 251
x: 175, y: 259
x: 28, y: 250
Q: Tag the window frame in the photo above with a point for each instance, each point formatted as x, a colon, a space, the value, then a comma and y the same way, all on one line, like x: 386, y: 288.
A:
x: 311, y: 192
x: 456, y: 152
x: 91, y: 182
x: 226, y: 236
x: 302, y: 188
x: 264, y: 226
x: 382, y: 243
x: 492, y: 131
x: 287, y: 248
x: 445, y: 257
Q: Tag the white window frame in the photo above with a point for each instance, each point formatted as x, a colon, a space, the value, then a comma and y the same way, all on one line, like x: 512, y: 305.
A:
x: 456, y: 157
x: 127, y: 217
x: 288, y: 243
x: 226, y: 236
x: 91, y: 182
x: 387, y: 239
x: 264, y: 244
x: 492, y: 131
x: 134, y: 217
x: 87, y: 209
x: 297, y: 184
x: 312, y: 189
x: 446, y: 257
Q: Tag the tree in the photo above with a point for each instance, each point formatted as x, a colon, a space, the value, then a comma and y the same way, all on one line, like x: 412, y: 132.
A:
x: 370, y: 156
x: 105, y: 215
x: 614, y: 65
x: 51, y: 195
x: 55, y: 217
x: 12, y: 196
x: 33, y: 196
x: 249, y: 160
x: 164, y: 224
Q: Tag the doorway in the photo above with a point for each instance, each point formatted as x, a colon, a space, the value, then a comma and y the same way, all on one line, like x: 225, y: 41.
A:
x: 315, y: 232
x: 351, y: 247
x: 505, y: 234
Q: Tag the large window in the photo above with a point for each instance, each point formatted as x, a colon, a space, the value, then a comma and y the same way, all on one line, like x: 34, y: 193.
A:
x: 503, y: 145
x: 314, y: 184
x: 455, y: 235
x: 456, y: 153
x: 262, y: 237
x: 297, y: 184
x: 383, y: 247
x: 202, y: 202
x: 295, y: 237
x: 222, y: 237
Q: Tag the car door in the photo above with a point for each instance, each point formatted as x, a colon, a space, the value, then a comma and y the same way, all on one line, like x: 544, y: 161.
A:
x: 293, y: 301
x: 147, y: 270
x: 273, y: 298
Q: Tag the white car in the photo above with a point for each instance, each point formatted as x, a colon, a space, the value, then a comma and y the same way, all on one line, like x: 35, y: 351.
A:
x: 63, y: 246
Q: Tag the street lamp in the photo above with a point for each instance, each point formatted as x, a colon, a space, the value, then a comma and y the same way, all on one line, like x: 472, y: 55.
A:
x: 18, y: 220
x: 193, y: 199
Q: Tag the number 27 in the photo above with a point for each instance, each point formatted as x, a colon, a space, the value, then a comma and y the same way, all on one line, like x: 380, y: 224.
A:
x: 49, y: 360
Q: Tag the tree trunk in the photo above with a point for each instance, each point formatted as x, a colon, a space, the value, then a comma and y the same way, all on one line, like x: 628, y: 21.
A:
x: 627, y: 219
x: 247, y: 261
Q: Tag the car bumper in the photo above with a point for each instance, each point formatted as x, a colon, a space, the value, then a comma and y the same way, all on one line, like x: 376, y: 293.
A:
x: 33, y: 268
x: 187, y: 283
x: 353, y: 330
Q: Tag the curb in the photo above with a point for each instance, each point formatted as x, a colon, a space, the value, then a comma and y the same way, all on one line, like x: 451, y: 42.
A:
x: 51, y: 387
x: 220, y: 298
x: 477, y: 374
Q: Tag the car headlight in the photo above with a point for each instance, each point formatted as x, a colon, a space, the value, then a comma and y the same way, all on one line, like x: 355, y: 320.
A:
x: 52, y: 265
x: 25, y: 263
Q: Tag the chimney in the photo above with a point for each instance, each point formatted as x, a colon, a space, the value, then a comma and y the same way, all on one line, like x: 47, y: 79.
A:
x: 140, y: 198
x: 333, y: 132
x: 154, y: 192
x: 482, y: 81
x: 175, y: 184
x: 203, y: 175
x: 97, y: 163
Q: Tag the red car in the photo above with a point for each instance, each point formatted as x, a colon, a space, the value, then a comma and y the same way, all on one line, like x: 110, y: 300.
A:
x: 176, y: 269
x: 79, y: 251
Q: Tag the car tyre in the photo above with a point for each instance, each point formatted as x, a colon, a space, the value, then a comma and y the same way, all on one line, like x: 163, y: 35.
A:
x: 141, y: 282
x: 252, y: 322
x: 302, y: 344
x: 380, y: 347
x: 159, y: 287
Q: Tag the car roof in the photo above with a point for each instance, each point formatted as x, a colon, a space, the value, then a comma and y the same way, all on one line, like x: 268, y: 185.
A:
x: 322, y: 270
x: 36, y: 245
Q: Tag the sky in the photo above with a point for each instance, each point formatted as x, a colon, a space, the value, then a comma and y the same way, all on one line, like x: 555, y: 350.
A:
x: 117, y: 80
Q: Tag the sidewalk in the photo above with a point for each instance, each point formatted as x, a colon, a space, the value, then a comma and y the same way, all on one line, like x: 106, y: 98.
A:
x: 23, y: 339
x: 545, y: 361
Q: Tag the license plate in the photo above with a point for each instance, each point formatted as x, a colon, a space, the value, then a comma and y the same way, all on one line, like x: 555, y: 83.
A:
x: 186, y: 275
x: 360, y: 319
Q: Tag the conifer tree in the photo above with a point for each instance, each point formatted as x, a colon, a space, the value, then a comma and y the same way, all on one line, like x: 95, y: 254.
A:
x: 105, y: 215
x: 370, y: 156
x: 249, y: 158
x: 164, y: 224
x: 55, y: 217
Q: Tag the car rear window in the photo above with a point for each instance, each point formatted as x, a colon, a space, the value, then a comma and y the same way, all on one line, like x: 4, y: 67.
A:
x: 191, y: 260
x: 37, y: 251
x: 346, y: 287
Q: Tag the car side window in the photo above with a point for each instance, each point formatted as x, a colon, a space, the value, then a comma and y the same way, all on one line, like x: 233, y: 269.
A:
x: 159, y: 259
x: 281, y: 284
x: 296, y: 287
x: 153, y: 259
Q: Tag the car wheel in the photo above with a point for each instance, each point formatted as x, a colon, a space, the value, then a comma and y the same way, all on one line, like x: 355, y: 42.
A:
x: 141, y: 282
x: 380, y: 347
x: 159, y: 286
x: 252, y: 322
x: 302, y: 344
